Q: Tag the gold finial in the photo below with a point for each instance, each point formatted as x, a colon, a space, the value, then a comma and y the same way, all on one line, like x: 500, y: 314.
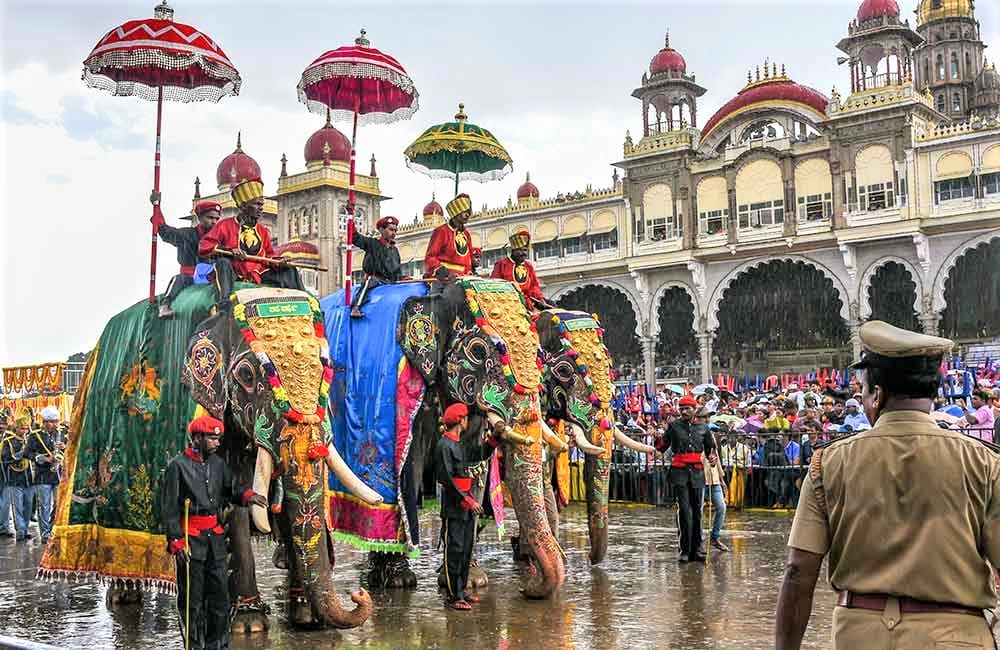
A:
x: 783, y: 70
x: 774, y: 69
x: 460, y: 116
x: 527, y: 177
x: 666, y: 43
x: 757, y: 76
x: 361, y: 41
x: 163, y: 11
x: 749, y: 77
x: 328, y: 116
x: 239, y: 142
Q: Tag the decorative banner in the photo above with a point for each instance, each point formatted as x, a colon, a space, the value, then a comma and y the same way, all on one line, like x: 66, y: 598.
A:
x: 63, y: 402
x: 43, y: 377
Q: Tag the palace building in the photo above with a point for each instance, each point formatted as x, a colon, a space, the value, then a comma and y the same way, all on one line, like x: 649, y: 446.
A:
x: 758, y: 239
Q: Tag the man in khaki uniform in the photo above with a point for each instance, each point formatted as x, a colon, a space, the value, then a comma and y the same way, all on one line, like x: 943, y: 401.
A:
x: 909, y: 514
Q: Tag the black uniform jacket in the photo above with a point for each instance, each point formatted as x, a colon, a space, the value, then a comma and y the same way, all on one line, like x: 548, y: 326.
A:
x: 210, y: 485
x: 452, y: 461
x: 381, y: 260
x: 16, y: 467
x: 686, y: 438
x: 41, y: 443
x: 185, y: 239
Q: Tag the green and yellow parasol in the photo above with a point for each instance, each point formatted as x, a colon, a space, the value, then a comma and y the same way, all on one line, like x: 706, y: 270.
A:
x: 459, y: 150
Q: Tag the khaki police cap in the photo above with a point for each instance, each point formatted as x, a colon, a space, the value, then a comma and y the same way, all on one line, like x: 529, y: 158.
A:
x: 880, y: 339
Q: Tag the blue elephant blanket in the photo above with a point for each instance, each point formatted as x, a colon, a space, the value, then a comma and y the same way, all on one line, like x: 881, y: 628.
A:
x: 374, y: 396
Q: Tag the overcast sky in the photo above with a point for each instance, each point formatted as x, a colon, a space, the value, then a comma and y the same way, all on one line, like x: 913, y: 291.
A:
x: 552, y: 81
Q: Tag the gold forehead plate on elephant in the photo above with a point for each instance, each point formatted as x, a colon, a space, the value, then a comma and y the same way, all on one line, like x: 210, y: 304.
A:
x: 296, y: 358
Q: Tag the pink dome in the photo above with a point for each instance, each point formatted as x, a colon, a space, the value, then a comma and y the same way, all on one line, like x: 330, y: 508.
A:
x: 236, y: 167
x: 340, y: 146
x: 433, y: 209
x: 667, y: 60
x: 527, y: 189
x: 875, y: 8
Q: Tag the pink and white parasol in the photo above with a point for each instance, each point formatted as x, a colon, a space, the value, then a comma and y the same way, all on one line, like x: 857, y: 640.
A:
x: 363, y: 84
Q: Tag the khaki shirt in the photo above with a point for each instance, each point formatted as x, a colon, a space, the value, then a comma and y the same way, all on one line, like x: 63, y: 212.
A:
x: 713, y: 473
x: 904, y: 509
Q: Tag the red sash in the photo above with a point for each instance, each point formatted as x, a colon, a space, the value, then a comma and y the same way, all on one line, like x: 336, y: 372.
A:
x: 683, y: 460
x: 200, y: 523
x: 463, y: 483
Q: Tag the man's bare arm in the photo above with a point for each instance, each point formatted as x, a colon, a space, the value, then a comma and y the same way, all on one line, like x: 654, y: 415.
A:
x: 795, y: 598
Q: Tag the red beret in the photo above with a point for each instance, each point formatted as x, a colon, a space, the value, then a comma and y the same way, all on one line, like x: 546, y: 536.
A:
x: 687, y: 400
x: 454, y: 413
x: 387, y: 221
x: 205, y: 206
x: 206, y: 424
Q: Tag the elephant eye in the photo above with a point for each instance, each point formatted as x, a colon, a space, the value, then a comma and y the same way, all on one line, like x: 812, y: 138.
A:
x: 246, y: 375
x: 564, y: 371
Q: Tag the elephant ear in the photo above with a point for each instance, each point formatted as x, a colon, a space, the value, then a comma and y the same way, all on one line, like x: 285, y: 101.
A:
x: 421, y: 337
x: 469, y: 361
x: 560, y: 381
x: 204, y: 370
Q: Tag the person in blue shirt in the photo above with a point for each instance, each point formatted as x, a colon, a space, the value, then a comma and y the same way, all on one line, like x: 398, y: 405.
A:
x: 854, y: 417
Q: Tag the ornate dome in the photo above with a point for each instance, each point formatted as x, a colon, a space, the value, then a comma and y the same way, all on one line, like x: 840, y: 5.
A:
x: 987, y: 98
x: 527, y: 189
x: 667, y: 60
x: 339, y: 146
x: 930, y: 10
x: 433, y: 208
x: 772, y: 89
x: 236, y: 167
x: 875, y: 8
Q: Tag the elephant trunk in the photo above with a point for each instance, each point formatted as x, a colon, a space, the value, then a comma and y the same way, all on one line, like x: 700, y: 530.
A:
x: 525, y: 482
x: 261, y: 485
x: 311, y: 552
x: 596, y: 478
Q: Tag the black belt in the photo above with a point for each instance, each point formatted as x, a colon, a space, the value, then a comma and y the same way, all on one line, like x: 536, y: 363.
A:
x: 876, y: 602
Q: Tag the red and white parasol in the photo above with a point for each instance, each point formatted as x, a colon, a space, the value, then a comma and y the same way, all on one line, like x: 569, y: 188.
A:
x: 360, y: 83
x: 156, y: 59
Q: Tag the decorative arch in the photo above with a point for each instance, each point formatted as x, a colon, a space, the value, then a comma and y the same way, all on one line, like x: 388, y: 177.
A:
x: 654, y: 305
x: 864, y: 300
x: 657, y: 201
x: 991, y: 160
x: 712, y: 312
x: 954, y: 164
x: 872, y: 165
x: 759, y: 180
x: 812, y: 176
x: 949, y: 263
x: 562, y: 291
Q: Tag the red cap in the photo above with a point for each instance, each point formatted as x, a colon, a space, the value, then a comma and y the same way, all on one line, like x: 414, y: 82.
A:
x: 206, y: 424
x: 687, y: 400
x: 454, y: 413
x: 386, y: 221
x: 204, y: 206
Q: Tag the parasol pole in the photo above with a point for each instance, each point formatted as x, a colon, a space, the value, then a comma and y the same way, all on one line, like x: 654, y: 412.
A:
x: 350, y: 204
x: 458, y: 170
x: 157, y: 214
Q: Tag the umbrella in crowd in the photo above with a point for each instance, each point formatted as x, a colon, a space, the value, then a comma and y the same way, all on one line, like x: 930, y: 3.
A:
x: 701, y: 389
x: 459, y: 150
x: 732, y: 421
x: 360, y: 83
x: 156, y: 59
x: 677, y: 389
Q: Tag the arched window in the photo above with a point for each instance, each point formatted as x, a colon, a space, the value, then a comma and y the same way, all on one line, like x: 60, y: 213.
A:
x: 927, y: 70
x: 968, y: 65
x: 955, y: 72
x: 760, y: 196
x: 940, y: 103
x: 940, y: 67
x: 956, y: 103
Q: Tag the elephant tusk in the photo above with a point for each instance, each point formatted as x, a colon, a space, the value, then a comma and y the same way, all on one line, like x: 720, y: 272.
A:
x: 508, y: 433
x: 624, y: 440
x: 349, y: 479
x: 554, y: 442
x: 581, y: 441
x: 261, y: 485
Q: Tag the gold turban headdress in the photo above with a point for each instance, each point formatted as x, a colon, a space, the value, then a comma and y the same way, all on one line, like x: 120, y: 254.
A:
x: 459, y: 204
x: 247, y: 191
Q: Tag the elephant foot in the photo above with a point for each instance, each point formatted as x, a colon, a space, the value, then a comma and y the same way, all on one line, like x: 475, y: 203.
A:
x: 519, y: 555
x: 477, y: 577
x: 388, y: 571
x: 280, y: 558
x: 251, y: 617
x: 299, y: 609
x: 119, y: 595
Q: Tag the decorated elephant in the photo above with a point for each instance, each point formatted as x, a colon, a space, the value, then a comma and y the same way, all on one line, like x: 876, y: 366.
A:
x: 473, y: 342
x: 263, y: 369
x: 578, y: 388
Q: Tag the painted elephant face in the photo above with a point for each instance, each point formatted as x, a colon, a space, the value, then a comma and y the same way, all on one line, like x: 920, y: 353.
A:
x: 267, y: 366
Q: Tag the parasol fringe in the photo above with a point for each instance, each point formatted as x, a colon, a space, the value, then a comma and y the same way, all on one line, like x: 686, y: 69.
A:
x: 479, y: 177
x: 364, y: 119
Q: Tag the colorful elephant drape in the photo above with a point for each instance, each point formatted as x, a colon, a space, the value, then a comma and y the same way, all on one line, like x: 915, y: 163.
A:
x: 128, y: 422
x: 374, y: 398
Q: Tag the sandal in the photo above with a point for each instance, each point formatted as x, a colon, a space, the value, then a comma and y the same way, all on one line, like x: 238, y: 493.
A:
x: 460, y: 605
x: 473, y: 598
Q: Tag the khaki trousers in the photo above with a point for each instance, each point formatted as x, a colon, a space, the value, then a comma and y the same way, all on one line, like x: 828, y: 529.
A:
x: 854, y: 629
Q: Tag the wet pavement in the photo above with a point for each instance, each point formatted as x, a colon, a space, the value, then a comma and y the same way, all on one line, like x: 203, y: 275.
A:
x: 639, y: 597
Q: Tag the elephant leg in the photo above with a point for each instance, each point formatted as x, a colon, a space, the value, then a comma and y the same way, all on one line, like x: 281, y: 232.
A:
x: 389, y: 571
x: 119, y: 594
x: 551, y: 507
x: 251, y: 610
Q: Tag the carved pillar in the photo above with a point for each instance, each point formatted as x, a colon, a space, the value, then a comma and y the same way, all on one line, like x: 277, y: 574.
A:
x: 649, y: 362
x: 733, y: 222
x: 705, y: 348
x: 929, y: 317
x: 839, y: 197
x: 791, y: 209
x: 855, y: 327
